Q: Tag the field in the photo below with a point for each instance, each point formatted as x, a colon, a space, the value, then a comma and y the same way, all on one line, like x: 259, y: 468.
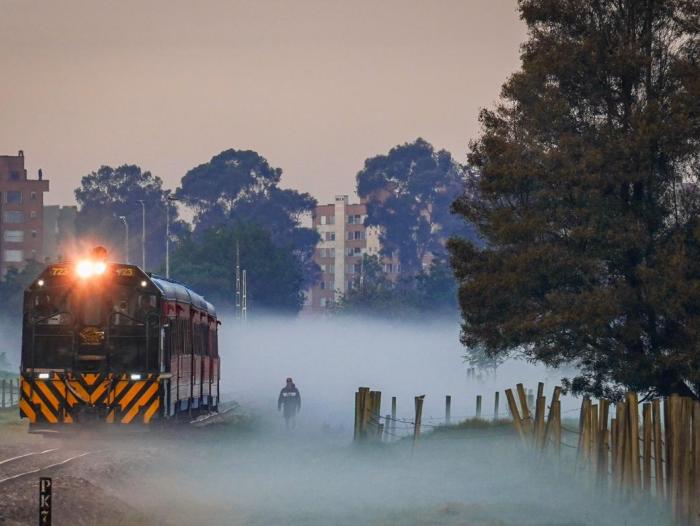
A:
x: 259, y: 474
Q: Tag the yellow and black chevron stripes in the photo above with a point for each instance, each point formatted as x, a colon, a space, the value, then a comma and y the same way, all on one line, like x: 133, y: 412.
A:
x: 64, y: 398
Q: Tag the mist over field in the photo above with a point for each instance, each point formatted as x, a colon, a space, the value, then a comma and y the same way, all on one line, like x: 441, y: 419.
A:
x: 329, y: 358
x: 316, y: 476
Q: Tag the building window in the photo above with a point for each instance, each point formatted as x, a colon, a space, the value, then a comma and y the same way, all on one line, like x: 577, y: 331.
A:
x: 359, y: 234
x: 13, y: 216
x: 349, y: 236
x: 14, y: 176
x: 34, y: 233
x: 351, y: 220
x: 33, y: 196
x: 13, y: 198
x: 14, y: 256
x: 388, y: 268
x: 331, y: 252
x: 358, y: 267
x: 323, y: 285
x: 355, y: 219
x: 354, y: 251
x: 32, y: 214
x: 350, y: 285
x: 323, y: 220
x: 14, y: 236
x: 322, y: 302
x: 330, y: 236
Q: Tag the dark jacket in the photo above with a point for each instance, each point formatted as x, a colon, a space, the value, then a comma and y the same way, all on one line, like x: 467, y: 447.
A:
x: 290, y: 399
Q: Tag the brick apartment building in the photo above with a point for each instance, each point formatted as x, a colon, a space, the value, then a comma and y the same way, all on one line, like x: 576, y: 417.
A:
x: 21, y: 218
x: 344, y: 241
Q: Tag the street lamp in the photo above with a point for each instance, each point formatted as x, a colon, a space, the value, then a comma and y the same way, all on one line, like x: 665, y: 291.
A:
x: 143, y: 234
x: 126, y: 239
x: 170, y: 199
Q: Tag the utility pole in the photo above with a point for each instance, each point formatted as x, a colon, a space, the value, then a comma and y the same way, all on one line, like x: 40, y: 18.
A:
x: 143, y: 235
x: 244, y: 305
x: 238, y: 282
x: 126, y: 238
x: 167, y: 234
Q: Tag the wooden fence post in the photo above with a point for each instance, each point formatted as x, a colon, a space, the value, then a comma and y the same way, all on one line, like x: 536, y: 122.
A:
x: 478, y: 406
x: 584, y: 429
x: 658, y: 449
x: 448, y: 409
x: 594, y: 437
x: 621, y: 444
x: 556, y: 407
x: 517, y: 422
x: 419, y: 415
x: 364, y: 412
x: 526, y: 422
x: 647, y: 431
x: 539, y: 422
x: 673, y: 459
x: 633, y: 423
x: 613, y: 451
x: 604, y: 442
x: 393, y: 415
x: 495, y: 406
x: 686, y: 458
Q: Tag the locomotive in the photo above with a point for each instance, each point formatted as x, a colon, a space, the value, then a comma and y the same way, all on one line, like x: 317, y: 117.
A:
x: 106, y: 342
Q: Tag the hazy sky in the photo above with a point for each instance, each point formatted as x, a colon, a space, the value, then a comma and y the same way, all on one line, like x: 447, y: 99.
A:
x: 315, y: 86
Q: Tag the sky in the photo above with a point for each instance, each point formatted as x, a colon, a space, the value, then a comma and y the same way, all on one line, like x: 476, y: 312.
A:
x: 315, y: 86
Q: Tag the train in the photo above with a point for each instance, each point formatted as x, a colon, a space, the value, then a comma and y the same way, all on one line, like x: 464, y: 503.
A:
x: 107, y: 343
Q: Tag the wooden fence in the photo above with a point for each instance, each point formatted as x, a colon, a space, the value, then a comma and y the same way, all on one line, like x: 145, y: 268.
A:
x: 656, y: 456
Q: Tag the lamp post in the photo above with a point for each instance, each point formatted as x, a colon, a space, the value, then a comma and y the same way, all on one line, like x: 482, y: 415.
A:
x: 171, y: 198
x: 143, y: 235
x: 126, y: 240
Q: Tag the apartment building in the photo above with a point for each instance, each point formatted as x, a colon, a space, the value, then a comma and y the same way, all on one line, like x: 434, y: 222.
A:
x: 344, y: 242
x: 21, y: 218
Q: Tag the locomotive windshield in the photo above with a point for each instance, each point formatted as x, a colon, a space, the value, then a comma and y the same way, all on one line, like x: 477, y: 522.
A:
x: 108, y: 323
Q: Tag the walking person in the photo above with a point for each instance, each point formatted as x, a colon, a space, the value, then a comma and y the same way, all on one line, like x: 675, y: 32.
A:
x: 289, y: 402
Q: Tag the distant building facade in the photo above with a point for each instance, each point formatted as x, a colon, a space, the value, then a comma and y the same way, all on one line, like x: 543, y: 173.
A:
x: 21, y: 217
x: 339, y: 253
x: 59, y: 232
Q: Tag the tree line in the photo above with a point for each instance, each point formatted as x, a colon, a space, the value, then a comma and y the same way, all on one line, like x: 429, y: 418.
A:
x: 239, y: 207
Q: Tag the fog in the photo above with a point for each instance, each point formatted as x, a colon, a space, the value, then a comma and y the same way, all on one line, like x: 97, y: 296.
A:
x: 329, y: 358
x: 315, y: 475
x: 255, y: 472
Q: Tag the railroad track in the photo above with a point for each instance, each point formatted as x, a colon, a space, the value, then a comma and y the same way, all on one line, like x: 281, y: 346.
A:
x: 13, y: 468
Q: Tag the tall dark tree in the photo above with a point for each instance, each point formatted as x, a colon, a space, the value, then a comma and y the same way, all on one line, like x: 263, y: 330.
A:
x: 408, y: 193
x: 109, y: 193
x: 240, y: 186
x: 274, y: 274
x: 588, y: 198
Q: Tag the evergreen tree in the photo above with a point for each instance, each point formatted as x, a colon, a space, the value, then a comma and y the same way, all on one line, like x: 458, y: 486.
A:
x: 588, y: 199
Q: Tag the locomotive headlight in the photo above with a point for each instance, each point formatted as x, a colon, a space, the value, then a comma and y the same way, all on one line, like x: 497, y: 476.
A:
x: 85, y: 269
x: 99, y: 267
x: 40, y: 283
x: 44, y: 376
x: 144, y: 283
x: 135, y: 376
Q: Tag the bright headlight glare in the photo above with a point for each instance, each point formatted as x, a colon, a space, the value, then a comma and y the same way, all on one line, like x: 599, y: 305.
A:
x: 135, y: 376
x: 99, y: 267
x: 44, y: 376
x: 40, y: 282
x: 85, y: 269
